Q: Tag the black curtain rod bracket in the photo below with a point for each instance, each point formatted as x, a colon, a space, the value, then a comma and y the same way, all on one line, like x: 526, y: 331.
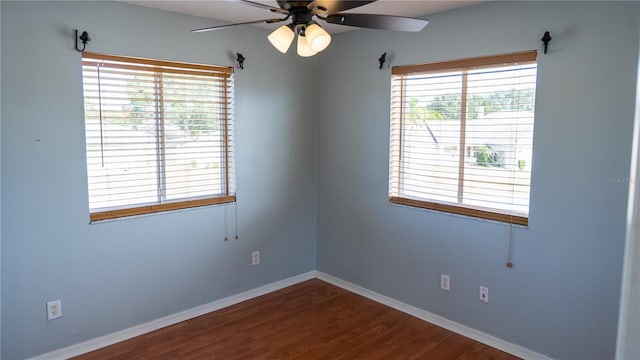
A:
x: 381, y: 60
x: 84, y: 38
x: 545, y: 40
x: 240, y: 61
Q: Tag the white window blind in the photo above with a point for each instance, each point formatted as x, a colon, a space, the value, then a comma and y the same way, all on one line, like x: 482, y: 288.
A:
x: 159, y: 135
x: 462, y: 136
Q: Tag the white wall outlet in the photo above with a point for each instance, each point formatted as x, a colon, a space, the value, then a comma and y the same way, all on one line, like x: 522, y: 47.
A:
x: 445, y: 282
x: 54, y: 310
x: 484, y: 294
x: 255, y: 258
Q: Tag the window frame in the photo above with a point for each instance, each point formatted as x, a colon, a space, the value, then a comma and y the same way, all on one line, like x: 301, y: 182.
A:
x: 463, y: 65
x: 226, y: 124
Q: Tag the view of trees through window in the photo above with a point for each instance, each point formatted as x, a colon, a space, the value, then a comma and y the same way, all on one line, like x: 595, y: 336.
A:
x: 187, y: 115
x: 448, y: 106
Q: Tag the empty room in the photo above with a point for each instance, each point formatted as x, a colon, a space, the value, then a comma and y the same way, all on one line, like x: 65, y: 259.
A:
x: 319, y: 179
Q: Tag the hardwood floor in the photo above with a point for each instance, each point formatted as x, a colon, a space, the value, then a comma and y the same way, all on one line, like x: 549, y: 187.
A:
x: 311, y: 320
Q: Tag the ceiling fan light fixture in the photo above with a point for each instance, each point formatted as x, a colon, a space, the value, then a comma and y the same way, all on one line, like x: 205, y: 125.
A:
x: 281, y: 38
x: 317, y: 38
x: 304, y: 49
x: 312, y: 38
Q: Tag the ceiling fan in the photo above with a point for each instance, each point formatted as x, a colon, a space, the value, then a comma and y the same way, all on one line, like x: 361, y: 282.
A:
x: 311, y: 37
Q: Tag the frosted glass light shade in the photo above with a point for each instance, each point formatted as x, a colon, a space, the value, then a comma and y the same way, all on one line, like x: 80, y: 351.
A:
x: 317, y: 38
x: 303, y: 47
x: 281, y: 38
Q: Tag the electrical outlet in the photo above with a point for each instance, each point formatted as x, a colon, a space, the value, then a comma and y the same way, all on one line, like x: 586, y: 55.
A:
x: 445, y: 282
x: 255, y: 258
x: 54, y: 310
x: 484, y: 294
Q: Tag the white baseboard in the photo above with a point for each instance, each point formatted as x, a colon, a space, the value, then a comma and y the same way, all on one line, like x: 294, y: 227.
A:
x: 100, y: 342
x: 474, y: 334
x: 110, y: 339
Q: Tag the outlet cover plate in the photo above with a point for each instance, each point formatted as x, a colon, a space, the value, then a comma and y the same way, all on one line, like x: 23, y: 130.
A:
x: 445, y: 282
x: 54, y: 310
x: 484, y: 294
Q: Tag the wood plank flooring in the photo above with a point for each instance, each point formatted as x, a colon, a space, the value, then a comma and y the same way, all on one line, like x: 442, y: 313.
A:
x: 312, y: 320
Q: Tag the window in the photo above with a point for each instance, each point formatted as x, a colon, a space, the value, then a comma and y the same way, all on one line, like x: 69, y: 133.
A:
x: 159, y: 135
x: 462, y: 136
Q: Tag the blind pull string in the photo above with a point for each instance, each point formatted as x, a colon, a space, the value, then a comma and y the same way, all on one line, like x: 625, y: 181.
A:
x: 226, y: 232
x: 513, y: 189
x: 235, y: 205
x: 100, y: 111
x: 510, y: 247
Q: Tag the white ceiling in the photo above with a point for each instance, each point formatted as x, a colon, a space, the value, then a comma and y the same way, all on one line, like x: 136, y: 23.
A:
x: 232, y: 11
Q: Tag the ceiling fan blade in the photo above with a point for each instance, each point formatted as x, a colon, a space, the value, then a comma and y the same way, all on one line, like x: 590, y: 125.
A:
x: 334, y: 6
x: 374, y: 21
x: 265, y: 6
x: 266, y: 21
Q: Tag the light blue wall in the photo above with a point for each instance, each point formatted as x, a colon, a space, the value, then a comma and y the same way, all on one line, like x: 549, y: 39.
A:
x: 561, y: 298
x: 114, y: 275
x: 0, y: 196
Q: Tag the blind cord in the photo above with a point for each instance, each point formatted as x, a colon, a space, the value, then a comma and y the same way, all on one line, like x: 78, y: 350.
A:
x: 235, y: 204
x: 513, y: 186
x: 100, y: 111
x: 510, y: 247
x: 226, y: 232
